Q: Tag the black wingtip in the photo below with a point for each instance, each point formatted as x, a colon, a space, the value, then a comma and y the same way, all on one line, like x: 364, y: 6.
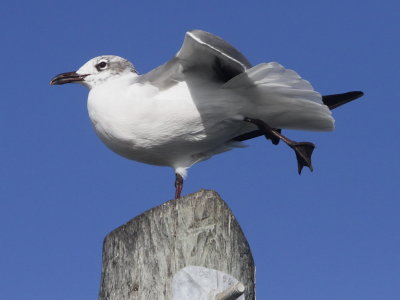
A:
x: 355, y: 94
x: 336, y: 100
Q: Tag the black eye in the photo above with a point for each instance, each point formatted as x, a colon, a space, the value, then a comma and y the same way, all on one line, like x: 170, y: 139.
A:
x: 101, y: 65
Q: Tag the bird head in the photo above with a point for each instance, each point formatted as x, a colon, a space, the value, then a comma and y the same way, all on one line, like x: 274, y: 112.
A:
x: 96, y: 71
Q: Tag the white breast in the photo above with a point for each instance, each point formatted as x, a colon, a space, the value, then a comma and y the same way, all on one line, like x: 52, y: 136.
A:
x: 142, y: 124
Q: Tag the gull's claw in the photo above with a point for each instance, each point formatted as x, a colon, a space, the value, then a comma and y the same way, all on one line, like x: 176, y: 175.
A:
x: 303, y: 152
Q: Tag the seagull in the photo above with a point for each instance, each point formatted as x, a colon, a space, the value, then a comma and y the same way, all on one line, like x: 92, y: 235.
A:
x: 206, y: 100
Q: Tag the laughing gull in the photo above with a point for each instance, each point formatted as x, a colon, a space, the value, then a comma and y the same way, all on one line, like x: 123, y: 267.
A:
x: 206, y: 100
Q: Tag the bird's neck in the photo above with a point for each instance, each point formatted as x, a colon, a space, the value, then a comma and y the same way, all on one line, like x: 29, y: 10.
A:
x: 114, y: 82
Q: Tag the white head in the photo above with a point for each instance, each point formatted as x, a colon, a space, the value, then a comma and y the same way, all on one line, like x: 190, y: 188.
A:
x: 97, y: 71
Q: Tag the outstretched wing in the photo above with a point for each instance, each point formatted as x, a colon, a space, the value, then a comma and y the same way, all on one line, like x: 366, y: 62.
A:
x: 332, y: 101
x: 211, y: 53
x: 206, y: 54
x: 336, y: 100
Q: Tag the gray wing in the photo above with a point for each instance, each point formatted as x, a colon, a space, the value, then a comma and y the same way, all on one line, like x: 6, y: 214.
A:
x: 204, y: 53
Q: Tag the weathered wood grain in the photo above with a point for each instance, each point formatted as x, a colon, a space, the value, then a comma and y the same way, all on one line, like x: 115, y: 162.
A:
x: 141, y: 257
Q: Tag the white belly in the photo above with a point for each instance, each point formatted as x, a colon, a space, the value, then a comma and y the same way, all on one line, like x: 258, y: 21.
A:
x: 169, y: 131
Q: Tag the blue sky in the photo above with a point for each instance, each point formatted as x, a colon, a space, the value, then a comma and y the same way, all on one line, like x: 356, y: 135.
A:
x: 331, y: 234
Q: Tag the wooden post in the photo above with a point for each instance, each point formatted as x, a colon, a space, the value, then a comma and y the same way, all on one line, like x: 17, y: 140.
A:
x: 141, y: 258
